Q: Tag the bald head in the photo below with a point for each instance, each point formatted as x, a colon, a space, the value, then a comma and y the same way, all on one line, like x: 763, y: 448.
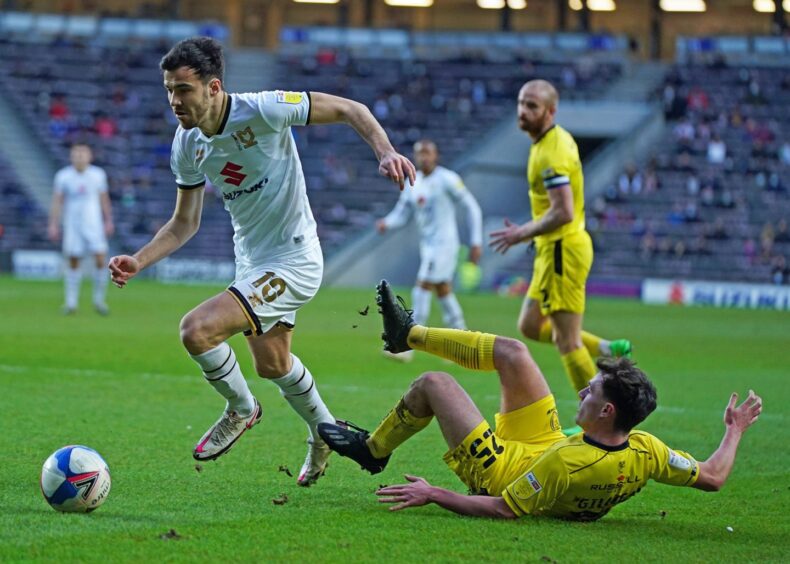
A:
x: 542, y: 89
x: 537, y: 104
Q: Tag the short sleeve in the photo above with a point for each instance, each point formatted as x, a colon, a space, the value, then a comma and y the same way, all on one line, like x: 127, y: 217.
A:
x: 102, y: 177
x: 540, y: 487
x: 282, y: 109
x: 555, y: 167
x: 187, y: 177
x: 673, y: 467
x: 58, y: 185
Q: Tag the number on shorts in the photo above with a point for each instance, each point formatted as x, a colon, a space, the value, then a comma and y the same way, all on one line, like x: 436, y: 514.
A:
x: 490, y: 457
x: 272, y: 287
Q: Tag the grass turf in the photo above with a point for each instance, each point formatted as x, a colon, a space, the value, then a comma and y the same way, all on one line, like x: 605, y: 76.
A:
x: 124, y: 386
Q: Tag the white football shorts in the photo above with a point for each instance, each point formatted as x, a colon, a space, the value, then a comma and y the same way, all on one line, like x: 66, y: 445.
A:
x: 79, y: 241
x: 274, y: 291
x: 437, y: 264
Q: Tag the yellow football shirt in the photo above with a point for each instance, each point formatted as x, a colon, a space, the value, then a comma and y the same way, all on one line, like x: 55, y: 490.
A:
x: 554, y: 162
x: 579, y: 479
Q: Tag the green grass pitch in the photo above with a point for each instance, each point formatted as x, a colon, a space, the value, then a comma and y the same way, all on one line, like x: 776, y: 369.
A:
x: 124, y: 386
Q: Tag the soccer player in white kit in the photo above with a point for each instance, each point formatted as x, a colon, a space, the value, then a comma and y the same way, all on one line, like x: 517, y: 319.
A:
x: 433, y: 201
x: 243, y: 144
x: 81, y: 203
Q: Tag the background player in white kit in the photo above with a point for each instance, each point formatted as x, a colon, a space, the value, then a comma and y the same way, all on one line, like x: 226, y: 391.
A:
x: 243, y: 144
x: 432, y: 201
x: 81, y: 201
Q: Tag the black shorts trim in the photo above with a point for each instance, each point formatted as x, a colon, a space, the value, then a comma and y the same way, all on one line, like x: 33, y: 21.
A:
x: 558, y: 257
x: 250, y: 313
x: 191, y: 186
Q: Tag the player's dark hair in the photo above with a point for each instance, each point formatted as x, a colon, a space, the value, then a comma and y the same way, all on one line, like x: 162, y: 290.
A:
x: 629, y: 389
x: 202, y: 54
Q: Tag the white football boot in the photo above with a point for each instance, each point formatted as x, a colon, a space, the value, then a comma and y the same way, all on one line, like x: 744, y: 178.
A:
x: 315, y: 463
x: 225, y: 432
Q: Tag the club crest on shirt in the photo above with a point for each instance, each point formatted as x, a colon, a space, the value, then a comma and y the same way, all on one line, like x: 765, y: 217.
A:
x: 244, y: 138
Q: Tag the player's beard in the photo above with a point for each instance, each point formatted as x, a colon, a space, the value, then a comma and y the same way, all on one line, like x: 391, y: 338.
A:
x: 534, y: 127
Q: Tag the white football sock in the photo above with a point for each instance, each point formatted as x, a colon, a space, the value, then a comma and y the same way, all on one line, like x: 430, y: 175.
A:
x: 224, y: 374
x: 452, y: 314
x: 299, y: 390
x: 421, y: 304
x: 604, y: 348
x: 100, y: 278
x: 73, y: 277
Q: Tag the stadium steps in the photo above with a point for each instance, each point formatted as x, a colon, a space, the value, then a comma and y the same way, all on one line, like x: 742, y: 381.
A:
x: 638, y: 82
x: 25, y: 154
x: 250, y: 70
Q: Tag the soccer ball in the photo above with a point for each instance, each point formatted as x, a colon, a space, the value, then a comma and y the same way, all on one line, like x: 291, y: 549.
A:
x: 75, y: 478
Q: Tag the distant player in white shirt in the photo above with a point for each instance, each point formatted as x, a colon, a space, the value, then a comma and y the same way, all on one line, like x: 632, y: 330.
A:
x: 433, y: 201
x: 81, y: 203
x: 243, y: 144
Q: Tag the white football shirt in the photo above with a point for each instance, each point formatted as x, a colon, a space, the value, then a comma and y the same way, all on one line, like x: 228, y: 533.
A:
x: 432, y: 200
x: 253, y: 161
x: 81, y: 200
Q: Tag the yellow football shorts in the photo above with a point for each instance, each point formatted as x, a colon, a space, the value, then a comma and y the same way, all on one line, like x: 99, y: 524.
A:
x: 560, y: 273
x: 488, y: 461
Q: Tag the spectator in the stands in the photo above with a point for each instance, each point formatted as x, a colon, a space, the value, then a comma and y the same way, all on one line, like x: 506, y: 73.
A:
x: 780, y: 273
x: 718, y: 231
x: 717, y: 150
x: 58, y: 109
x: 784, y: 153
x: 697, y: 99
x: 105, y: 126
x: 781, y: 233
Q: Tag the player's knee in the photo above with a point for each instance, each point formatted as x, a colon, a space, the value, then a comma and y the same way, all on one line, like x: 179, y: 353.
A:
x: 430, y: 382
x: 528, y: 328
x: 509, y: 350
x: 194, y: 334
x: 567, y: 342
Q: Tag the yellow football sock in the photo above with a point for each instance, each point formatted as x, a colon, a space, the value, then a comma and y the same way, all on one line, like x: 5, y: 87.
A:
x: 398, y: 426
x: 579, y: 367
x: 545, y: 332
x: 592, y: 343
x: 470, y: 349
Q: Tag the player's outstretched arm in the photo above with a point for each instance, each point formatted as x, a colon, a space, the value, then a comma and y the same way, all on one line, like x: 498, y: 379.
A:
x: 178, y: 230
x: 419, y: 492
x: 713, y: 472
x: 326, y: 108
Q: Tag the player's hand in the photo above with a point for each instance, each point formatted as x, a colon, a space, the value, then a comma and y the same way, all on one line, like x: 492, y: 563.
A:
x: 414, y: 494
x: 741, y: 417
x: 381, y: 226
x: 503, y: 239
x: 397, y: 168
x: 475, y: 252
x: 122, y: 268
x: 109, y: 228
x: 53, y: 232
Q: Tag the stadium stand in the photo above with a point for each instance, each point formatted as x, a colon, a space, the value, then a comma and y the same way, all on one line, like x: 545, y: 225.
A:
x: 711, y: 202
x: 111, y: 96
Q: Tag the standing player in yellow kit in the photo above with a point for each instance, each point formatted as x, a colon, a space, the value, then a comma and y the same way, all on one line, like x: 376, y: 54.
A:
x: 554, y: 305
